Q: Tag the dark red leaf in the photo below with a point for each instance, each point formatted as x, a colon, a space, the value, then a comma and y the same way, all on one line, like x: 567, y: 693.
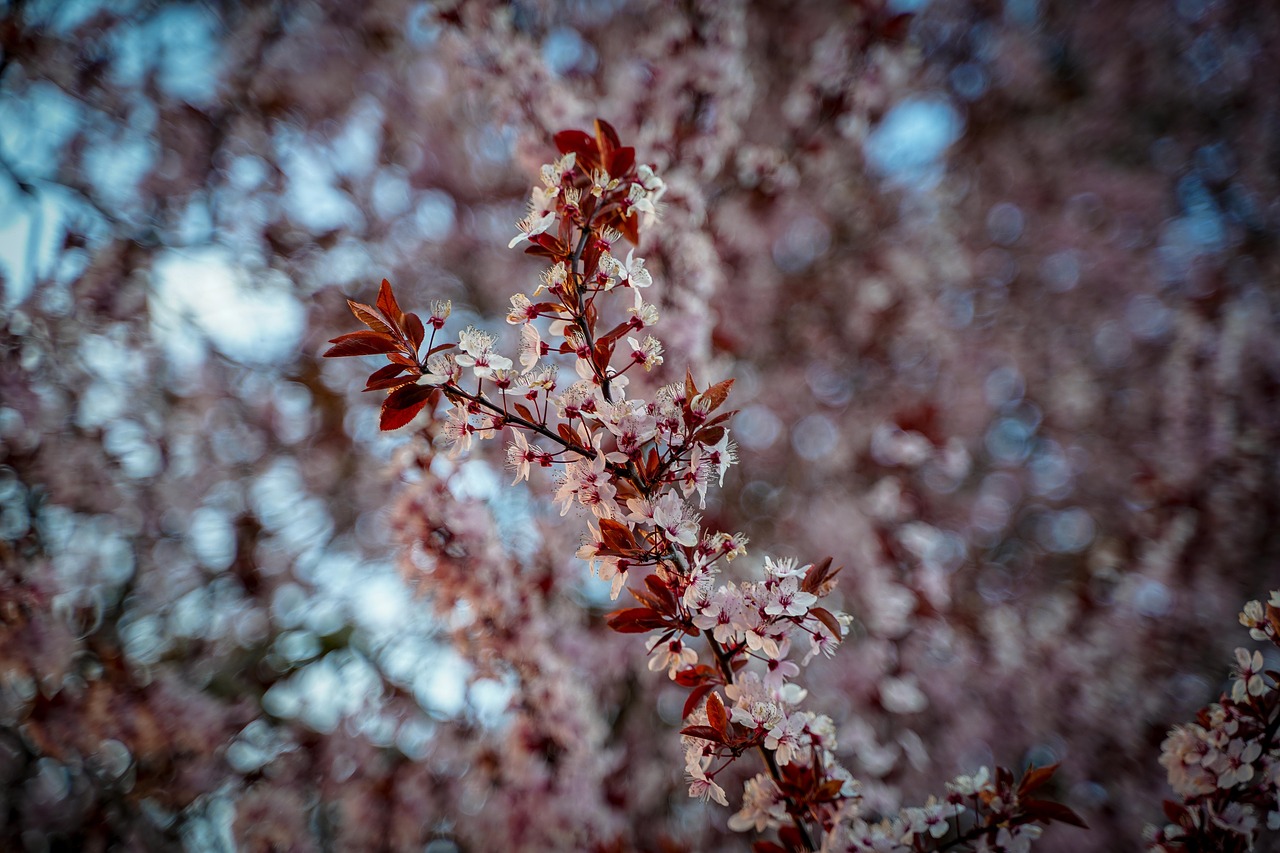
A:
x: 582, y: 145
x: 551, y: 243
x: 391, y: 384
x: 630, y: 228
x: 718, y: 393
x: 662, y: 592
x: 622, y: 161
x: 590, y: 255
x: 606, y: 137
x: 604, y: 352
x: 703, y: 733
x: 617, y: 331
x: 413, y: 328
x: 387, y: 304
x: 647, y: 598
x: 819, y: 580
x: 388, y: 377
x: 1035, y: 778
x: 523, y: 411
x: 1004, y: 778
x: 767, y: 847
x: 369, y: 316
x: 830, y: 791
x: 538, y: 251
x: 716, y: 716
x: 635, y: 620
x: 1046, y: 811
x: 694, y: 698
x: 694, y: 676
x: 386, y: 372
x: 403, y: 404
x: 719, y: 419
x: 616, y: 534
x: 791, y: 837
x: 361, y: 343
x: 710, y: 436
x: 824, y: 616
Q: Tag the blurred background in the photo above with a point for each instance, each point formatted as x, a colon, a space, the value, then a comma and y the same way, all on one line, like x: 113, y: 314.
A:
x: 997, y: 281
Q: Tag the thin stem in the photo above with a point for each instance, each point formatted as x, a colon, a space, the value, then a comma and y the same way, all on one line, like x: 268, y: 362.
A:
x: 724, y: 662
x: 529, y: 425
x: 580, y: 315
x: 541, y: 430
x: 725, y: 665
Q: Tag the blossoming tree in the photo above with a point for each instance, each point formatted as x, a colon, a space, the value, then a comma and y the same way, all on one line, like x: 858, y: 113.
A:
x: 994, y: 281
x: 636, y: 466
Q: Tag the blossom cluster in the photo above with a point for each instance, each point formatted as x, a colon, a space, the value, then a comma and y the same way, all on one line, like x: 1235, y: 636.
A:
x: 1226, y: 765
x: 641, y: 469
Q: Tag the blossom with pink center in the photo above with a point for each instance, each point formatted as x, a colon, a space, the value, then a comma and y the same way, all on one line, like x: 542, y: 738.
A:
x: 588, y: 481
x: 762, y: 806
x: 672, y: 515
x: 757, y: 630
x: 441, y: 370
x: 639, y: 199
x: 822, y: 642
x: 532, y: 347
x: 758, y: 714
x: 1250, y: 681
x: 553, y: 174
x: 720, y: 456
x: 704, y: 788
x: 647, y: 353
x: 642, y: 313
x: 1235, y: 766
x: 778, y: 669
x: 630, y: 272
x: 440, y: 311
x: 457, y: 431
x: 632, y: 432
x: 787, y: 736
x: 671, y: 654
x: 531, y: 226
x: 787, y: 567
x: 720, y: 612
x: 521, y: 455
x: 476, y: 352
x: 787, y: 599
x: 1183, y: 755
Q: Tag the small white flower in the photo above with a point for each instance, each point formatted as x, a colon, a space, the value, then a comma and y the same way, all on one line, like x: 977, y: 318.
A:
x: 671, y: 655
x: 441, y: 370
x: 553, y: 173
x: 531, y: 347
x: 477, y: 353
x: 632, y: 271
x: 762, y: 806
x: 704, y: 788
x: 440, y: 311
x: 520, y: 456
x: 531, y: 226
x: 647, y: 352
